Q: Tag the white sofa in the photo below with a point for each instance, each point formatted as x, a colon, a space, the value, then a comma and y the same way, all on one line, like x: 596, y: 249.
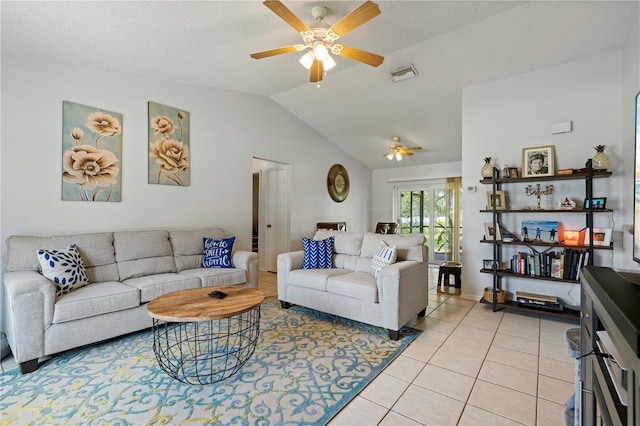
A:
x: 400, y: 292
x: 125, y: 269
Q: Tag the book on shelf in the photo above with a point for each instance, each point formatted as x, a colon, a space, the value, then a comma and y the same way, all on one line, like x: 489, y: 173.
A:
x: 564, y: 264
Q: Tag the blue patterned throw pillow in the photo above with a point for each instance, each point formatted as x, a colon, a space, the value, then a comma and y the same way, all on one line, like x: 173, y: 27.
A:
x: 217, y: 252
x: 317, y: 254
x: 64, y: 267
x: 385, y: 255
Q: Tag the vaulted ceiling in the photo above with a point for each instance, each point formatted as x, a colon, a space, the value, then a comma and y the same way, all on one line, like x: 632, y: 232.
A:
x: 452, y: 44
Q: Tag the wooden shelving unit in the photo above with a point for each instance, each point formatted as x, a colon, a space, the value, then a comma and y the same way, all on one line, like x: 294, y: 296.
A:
x: 513, y: 306
x: 498, y: 274
x: 543, y: 244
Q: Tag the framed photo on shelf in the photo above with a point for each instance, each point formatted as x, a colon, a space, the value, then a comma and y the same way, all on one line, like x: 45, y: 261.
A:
x: 513, y: 172
x: 489, y: 230
x: 500, y: 200
x: 538, y: 161
x: 601, y: 237
x: 488, y: 264
x: 540, y: 231
x: 598, y: 203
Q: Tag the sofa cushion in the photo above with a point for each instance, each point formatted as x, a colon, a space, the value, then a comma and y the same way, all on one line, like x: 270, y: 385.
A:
x: 217, y: 252
x: 96, y: 250
x: 141, y: 253
x: 64, y: 267
x: 409, y: 247
x: 156, y: 285
x: 96, y: 299
x: 211, y: 277
x: 343, y: 242
x: 315, y: 279
x: 345, y: 261
x: 188, y: 248
x: 357, y: 285
x: 385, y: 255
x: 317, y: 254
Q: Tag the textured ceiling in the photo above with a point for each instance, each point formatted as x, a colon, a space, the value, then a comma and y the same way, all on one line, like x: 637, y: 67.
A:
x: 451, y: 43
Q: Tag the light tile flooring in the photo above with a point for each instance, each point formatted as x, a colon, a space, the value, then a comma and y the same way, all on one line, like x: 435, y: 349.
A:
x: 470, y: 366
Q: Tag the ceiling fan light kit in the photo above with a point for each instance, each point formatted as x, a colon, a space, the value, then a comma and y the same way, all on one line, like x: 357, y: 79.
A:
x: 397, y: 150
x: 319, y: 37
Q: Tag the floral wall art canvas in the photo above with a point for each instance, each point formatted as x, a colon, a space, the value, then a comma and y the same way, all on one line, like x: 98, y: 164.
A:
x: 169, y: 159
x: 91, y: 153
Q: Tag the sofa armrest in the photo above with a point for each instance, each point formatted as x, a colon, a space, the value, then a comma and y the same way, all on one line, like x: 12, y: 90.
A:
x: 403, y: 290
x: 248, y: 261
x: 287, y: 262
x: 29, y: 300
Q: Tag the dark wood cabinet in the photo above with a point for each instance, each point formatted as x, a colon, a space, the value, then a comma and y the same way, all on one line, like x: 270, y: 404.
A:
x: 609, y: 348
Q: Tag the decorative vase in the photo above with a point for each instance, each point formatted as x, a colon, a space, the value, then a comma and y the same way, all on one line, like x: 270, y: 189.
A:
x: 487, y: 170
x: 600, y: 160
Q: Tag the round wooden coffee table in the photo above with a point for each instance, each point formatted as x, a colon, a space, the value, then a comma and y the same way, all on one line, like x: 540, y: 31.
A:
x: 199, y: 339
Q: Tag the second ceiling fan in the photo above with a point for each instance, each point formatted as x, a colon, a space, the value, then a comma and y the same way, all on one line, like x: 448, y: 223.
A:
x: 397, y: 150
x: 320, y: 38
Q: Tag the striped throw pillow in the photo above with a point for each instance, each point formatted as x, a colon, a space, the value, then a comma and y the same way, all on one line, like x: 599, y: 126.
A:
x: 385, y: 255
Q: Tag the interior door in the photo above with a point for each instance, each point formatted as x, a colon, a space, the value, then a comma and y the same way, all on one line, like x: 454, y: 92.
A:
x: 275, y: 215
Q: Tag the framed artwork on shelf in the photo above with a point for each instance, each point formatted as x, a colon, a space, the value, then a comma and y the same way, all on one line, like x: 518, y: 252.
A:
x: 500, y: 201
x: 601, y: 237
x: 545, y: 231
x: 538, y: 161
x: 598, y: 203
x: 489, y: 230
x: 488, y: 264
x: 513, y: 172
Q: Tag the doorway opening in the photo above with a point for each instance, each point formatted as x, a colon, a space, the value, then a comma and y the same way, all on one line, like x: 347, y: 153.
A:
x: 433, y: 209
x: 271, y: 217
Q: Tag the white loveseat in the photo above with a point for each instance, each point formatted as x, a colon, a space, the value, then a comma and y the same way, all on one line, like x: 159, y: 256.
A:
x: 400, y: 292
x: 125, y: 269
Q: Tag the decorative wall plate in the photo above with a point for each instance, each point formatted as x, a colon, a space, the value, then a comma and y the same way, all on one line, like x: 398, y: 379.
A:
x: 338, y: 183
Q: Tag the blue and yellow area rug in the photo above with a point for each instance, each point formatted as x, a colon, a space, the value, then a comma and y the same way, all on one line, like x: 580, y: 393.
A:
x: 306, y: 367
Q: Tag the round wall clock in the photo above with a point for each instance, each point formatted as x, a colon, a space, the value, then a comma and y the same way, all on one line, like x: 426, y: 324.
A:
x: 338, y: 183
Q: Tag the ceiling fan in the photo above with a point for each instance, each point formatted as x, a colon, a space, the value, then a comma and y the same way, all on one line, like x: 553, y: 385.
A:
x: 320, y: 38
x: 396, y: 150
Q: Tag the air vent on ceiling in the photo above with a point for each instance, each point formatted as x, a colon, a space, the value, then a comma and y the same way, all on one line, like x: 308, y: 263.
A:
x: 404, y: 73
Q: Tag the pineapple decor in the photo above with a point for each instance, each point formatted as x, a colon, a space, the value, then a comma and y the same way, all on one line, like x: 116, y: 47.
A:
x: 487, y: 168
x: 600, y: 160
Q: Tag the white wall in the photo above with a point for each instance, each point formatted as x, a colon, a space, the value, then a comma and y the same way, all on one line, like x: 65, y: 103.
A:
x: 227, y: 130
x: 385, y: 180
x: 502, y: 117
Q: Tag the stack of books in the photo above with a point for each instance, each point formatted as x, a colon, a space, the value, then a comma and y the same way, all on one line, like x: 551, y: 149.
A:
x: 538, y: 301
x: 564, y: 265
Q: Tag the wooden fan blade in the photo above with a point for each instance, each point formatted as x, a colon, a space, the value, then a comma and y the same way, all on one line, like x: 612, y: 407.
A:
x: 274, y: 52
x: 359, y: 16
x: 361, y: 56
x: 283, y: 12
x: 317, y: 71
x: 409, y: 151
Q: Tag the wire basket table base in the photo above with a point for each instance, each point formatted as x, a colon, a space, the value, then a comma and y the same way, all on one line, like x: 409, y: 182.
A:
x: 206, y: 352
